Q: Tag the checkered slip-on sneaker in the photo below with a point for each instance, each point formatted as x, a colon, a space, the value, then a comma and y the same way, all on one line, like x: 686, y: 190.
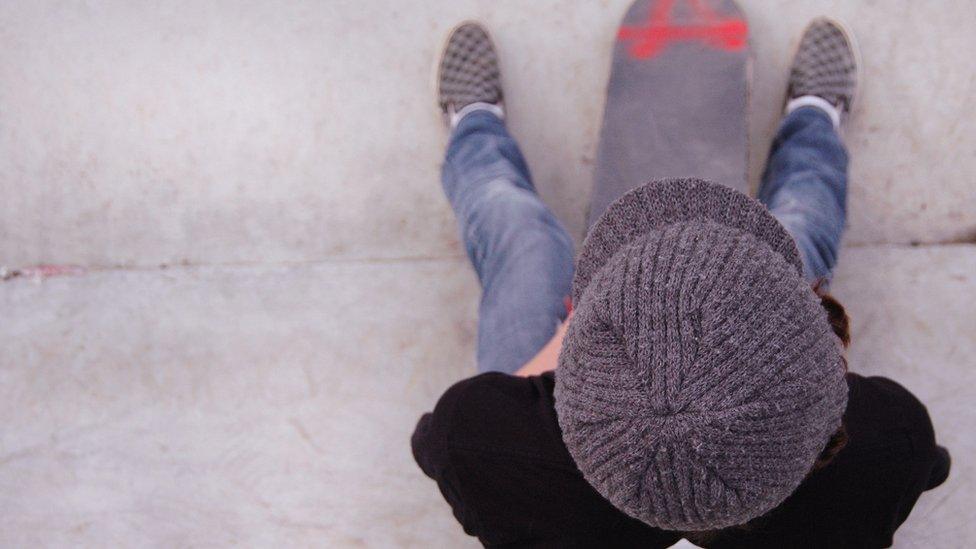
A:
x: 826, y: 64
x: 468, y: 71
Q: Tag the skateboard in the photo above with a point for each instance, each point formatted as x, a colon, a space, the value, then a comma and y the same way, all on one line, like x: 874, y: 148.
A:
x: 677, y: 99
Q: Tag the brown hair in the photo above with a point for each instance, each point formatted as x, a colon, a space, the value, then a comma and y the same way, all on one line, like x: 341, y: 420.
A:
x: 840, y: 324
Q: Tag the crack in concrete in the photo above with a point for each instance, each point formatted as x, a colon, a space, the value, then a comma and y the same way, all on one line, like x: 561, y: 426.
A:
x: 40, y: 272
x: 43, y: 271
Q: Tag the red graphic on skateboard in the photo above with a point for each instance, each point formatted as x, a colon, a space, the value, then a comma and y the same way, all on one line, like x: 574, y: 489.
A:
x: 725, y: 33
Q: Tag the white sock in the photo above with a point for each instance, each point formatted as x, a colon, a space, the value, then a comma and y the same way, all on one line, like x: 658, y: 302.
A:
x: 494, y: 108
x: 818, y: 102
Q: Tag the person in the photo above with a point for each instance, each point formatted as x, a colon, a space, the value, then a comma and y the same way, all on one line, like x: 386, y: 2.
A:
x: 701, y: 388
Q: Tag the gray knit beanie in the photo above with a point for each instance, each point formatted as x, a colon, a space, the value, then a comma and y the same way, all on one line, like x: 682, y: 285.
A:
x: 700, y: 378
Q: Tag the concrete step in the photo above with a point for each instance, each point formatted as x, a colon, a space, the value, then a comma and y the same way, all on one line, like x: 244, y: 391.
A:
x: 255, y: 405
x: 139, y: 135
x: 228, y: 406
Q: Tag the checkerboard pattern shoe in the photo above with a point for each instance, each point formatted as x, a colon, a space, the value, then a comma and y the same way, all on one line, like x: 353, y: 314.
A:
x: 826, y: 64
x: 468, y: 71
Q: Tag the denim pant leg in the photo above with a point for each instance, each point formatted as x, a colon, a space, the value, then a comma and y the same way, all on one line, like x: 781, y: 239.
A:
x: 805, y: 187
x: 521, y: 253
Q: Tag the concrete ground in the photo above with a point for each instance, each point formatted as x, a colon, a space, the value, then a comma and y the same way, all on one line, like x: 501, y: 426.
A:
x: 233, y: 283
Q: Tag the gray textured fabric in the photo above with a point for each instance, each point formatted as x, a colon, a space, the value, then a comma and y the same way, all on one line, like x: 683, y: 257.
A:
x: 825, y: 64
x: 699, y: 379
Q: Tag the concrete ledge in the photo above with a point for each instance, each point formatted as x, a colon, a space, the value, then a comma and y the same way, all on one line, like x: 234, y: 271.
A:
x: 138, y: 134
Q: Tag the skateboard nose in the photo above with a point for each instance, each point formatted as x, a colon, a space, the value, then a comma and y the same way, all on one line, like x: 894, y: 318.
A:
x: 660, y: 29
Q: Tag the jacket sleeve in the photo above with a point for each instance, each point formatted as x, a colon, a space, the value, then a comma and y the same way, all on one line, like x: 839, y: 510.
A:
x: 430, y: 445
x: 929, y: 462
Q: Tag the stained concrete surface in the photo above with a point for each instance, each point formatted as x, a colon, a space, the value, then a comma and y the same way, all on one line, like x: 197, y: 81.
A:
x: 281, y: 162
x: 258, y: 406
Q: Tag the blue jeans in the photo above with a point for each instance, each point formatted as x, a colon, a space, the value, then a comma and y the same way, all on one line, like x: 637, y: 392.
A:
x: 805, y: 187
x: 524, y: 257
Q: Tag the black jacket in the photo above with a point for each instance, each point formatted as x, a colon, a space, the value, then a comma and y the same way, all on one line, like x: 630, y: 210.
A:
x: 495, y: 449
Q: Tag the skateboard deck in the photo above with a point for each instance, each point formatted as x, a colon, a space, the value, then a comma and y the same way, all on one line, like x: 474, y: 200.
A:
x: 677, y: 99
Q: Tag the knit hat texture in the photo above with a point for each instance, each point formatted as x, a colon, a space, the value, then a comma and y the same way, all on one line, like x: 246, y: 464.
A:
x: 699, y: 378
